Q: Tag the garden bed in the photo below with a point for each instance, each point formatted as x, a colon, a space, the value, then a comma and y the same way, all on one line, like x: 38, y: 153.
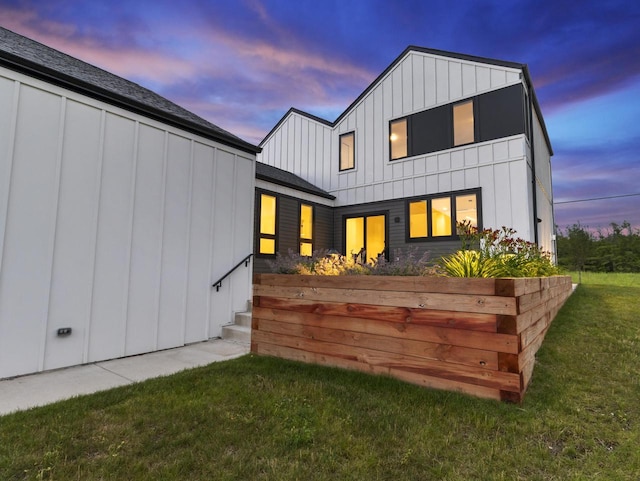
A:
x: 477, y: 336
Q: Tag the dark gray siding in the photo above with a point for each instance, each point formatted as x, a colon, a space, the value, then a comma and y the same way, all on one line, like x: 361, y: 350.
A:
x: 287, y: 228
x: 396, y: 229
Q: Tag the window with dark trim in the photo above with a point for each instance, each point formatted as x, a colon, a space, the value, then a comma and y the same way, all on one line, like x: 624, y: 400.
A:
x: 267, y: 224
x: 306, y: 230
x: 347, y: 151
x: 463, y: 124
x: 365, y: 236
x: 489, y: 116
x: 398, y: 137
x: 436, y: 217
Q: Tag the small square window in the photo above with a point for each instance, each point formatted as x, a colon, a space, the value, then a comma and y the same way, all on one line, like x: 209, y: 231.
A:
x: 347, y: 151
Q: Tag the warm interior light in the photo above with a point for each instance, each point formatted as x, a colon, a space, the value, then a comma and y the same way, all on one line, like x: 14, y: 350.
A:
x: 393, y: 137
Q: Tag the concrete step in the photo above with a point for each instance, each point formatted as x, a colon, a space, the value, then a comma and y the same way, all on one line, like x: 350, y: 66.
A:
x: 236, y: 333
x: 243, y: 319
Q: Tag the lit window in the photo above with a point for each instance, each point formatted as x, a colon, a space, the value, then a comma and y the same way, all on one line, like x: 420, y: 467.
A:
x: 398, y: 138
x: 365, y: 237
x: 267, y: 240
x: 463, y: 123
x: 306, y: 230
x: 441, y: 217
x: 347, y: 151
x: 418, y: 219
x: 467, y: 210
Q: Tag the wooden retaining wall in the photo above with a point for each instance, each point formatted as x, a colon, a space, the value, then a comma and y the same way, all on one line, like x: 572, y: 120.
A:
x: 477, y: 336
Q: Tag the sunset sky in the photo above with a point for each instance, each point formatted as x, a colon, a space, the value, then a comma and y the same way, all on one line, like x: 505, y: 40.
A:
x: 242, y: 64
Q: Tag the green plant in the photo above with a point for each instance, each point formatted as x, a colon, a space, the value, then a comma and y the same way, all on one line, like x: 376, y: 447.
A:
x: 328, y: 263
x: 499, y: 254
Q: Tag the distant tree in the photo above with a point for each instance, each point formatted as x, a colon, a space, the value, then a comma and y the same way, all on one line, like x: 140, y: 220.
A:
x: 575, y: 247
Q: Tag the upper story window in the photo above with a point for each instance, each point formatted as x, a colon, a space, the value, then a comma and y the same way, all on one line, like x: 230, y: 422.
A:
x: 306, y: 230
x: 347, y: 151
x: 437, y: 216
x: 485, y: 117
x: 398, y: 146
x: 463, y: 125
x: 267, y: 237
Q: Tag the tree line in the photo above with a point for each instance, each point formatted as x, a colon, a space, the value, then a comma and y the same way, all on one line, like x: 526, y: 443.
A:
x: 615, y: 249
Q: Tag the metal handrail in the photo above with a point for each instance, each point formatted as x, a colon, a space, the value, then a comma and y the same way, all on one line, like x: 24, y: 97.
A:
x: 244, y: 261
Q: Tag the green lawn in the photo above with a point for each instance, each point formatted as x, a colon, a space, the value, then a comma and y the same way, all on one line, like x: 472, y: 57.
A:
x: 258, y: 418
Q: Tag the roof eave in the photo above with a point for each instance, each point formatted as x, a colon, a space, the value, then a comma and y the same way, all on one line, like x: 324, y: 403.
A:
x: 49, y: 75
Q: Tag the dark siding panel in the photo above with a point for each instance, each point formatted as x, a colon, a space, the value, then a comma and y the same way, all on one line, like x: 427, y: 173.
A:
x: 501, y: 113
x: 323, y: 228
x: 431, y: 130
x: 396, y: 212
x: 288, y: 225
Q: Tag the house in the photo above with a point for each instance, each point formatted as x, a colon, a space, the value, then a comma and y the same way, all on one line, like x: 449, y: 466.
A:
x: 438, y: 138
x: 118, y: 211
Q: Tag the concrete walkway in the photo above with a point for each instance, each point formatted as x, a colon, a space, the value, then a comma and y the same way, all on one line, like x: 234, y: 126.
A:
x: 47, y: 387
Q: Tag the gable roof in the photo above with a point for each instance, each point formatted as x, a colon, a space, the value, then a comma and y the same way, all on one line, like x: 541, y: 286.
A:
x: 274, y: 175
x: 27, y: 56
x: 431, y: 51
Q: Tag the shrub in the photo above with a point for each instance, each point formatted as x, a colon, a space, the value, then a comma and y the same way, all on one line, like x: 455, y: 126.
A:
x: 499, y: 254
x: 328, y: 263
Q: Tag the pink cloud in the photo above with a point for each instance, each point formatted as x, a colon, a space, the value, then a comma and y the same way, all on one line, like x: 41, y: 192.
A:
x: 128, y: 63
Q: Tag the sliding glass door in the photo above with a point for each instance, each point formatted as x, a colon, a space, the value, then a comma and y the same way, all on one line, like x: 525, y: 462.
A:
x: 365, y: 237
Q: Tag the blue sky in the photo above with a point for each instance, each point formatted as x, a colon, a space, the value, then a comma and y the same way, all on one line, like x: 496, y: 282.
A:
x: 243, y: 63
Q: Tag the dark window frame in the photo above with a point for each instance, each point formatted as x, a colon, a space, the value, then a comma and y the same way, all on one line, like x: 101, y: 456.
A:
x: 474, y: 110
x: 364, y: 215
x: 452, y: 196
x: 346, y: 169
x: 260, y: 235
x: 409, y: 150
x: 313, y: 224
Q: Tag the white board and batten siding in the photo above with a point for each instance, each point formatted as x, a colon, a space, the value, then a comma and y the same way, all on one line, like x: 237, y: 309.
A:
x: 418, y: 82
x: 114, y: 225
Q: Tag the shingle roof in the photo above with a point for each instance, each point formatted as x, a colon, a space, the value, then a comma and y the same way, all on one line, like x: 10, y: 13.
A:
x: 282, y: 177
x: 37, y: 60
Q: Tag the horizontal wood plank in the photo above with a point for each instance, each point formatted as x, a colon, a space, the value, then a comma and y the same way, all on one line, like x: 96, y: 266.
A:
x: 456, y: 337
x: 453, y: 319
x: 415, y: 300
x: 410, y: 347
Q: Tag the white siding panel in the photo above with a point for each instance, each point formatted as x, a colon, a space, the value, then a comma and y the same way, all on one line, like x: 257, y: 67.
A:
x: 8, y: 99
x: 455, y: 80
x: 498, y: 78
x: 521, y: 219
x: 430, y: 82
x: 146, y: 243
x: 111, y: 276
x: 469, y: 84
x: 471, y: 156
x: 500, y: 151
x: 488, y: 183
x: 503, y: 197
x: 457, y: 159
x: 199, y: 281
x: 173, y: 283
x: 417, y: 86
x: 73, y: 257
x: 407, y: 85
x: 471, y: 178
x: 24, y: 285
x: 396, y: 84
x: 442, y: 81
x: 432, y: 184
x: 483, y: 76
x: 457, y: 180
